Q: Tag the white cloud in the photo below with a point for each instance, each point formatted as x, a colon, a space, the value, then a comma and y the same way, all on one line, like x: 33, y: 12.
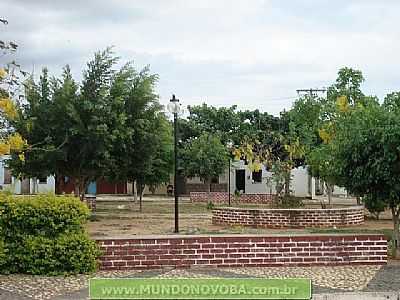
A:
x: 251, y: 53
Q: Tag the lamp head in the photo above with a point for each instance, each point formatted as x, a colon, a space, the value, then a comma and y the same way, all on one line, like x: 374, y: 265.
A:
x: 173, y: 105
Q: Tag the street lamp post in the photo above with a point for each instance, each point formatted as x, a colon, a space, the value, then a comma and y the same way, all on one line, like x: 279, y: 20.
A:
x: 229, y: 145
x: 174, y: 108
x: 229, y: 183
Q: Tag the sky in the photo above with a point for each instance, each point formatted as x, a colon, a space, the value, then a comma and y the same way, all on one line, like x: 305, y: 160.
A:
x: 251, y: 53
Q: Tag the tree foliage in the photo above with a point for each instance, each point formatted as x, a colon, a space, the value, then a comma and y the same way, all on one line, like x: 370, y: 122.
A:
x: 205, y: 157
x: 10, y: 82
x: 90, y: 130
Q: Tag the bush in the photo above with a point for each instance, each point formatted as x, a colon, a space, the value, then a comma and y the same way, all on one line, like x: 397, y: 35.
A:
x: 44, y: 215
x: 45, y: 235
x: 288, y: 202
x: 374, y: 205
x: 3, y: 255
x: 210, y: 205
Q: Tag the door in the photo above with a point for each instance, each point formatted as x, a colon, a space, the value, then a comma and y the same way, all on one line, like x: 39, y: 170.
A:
x: 91, y: 189
x: 25, y: 186
x: 241, y: 180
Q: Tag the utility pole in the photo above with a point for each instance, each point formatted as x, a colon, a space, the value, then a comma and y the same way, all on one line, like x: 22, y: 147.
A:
x: 311, y: 92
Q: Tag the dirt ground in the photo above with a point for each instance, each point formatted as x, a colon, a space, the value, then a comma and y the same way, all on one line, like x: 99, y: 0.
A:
x: 121, y: 217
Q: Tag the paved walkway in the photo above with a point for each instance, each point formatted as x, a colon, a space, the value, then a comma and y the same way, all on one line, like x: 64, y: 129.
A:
x: 325, y: 280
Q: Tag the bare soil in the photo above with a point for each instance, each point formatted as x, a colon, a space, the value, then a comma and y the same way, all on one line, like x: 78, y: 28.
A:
x: 123, y: 218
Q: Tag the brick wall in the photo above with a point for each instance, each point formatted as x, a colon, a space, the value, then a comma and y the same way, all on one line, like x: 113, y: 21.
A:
x: 222, y: 197
x: 201, y: 187
x: 242, y: 251
x: 289, y: 218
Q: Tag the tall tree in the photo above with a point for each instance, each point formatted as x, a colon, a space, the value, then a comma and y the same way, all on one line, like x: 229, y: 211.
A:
x: 72, y: 127
x: 142, y: 152
x: 366, y: 156
x: 205, y: 157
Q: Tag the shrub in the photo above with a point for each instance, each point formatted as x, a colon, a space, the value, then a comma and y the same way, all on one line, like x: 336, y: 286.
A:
x: 44, y: 234
x: 44, y: 215
x: 3, y: 255
x: 288, y: 202
x: 374, y: 205
x: 67, y: 254
x: 210, y: 205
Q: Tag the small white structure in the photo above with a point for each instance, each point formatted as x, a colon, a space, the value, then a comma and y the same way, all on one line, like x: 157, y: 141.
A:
x: 301, y: 185
x: 25, y: 186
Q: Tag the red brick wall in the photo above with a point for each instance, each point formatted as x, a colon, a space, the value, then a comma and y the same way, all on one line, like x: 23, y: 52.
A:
x: 201, y: 187
x: 222, y: 197
x: 289, y: 218
x: 242, y: 251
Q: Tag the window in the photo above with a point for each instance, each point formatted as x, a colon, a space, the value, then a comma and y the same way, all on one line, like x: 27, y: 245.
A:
x: 257, y: 176
x: 43, y: 180
x: 7, y: 176
x: 215, y: 179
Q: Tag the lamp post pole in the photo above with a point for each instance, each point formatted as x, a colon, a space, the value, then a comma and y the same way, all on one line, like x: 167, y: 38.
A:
x: 229, y: 147
x: 229, y: 183
x: 176, y: 172
x: 174, y: 108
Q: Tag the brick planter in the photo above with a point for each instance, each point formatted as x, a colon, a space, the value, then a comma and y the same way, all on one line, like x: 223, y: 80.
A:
x: 222, y: 197
x: 242, y: 251
x: 289, y: 218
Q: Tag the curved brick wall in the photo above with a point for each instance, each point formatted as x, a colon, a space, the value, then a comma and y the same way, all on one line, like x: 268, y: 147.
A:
x: 222, y: 197
x: 242, y: 250
x: 289, y: 218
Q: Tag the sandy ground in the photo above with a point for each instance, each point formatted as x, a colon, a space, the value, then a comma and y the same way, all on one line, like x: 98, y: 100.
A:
x: 123, y: 218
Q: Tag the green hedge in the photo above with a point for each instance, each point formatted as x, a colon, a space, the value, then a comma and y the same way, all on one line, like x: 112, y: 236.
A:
x: 44, y: 234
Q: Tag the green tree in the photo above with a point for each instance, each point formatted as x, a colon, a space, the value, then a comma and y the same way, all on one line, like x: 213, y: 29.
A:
x: 392, y: 101
x: 142, y: 152
x: 366, y: 156
x: 304, y: 120
x: 321, y: 165
x: 224, y: 121
x: 157, y: 167
x: 205, y: 157
x: 348, y: 84
x: 72, y: 128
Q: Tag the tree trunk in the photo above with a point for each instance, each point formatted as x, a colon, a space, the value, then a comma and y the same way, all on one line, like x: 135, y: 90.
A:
x: 208, y: 184
x: 396, y: 232
x: 287, y: 185
x: 141, y: 189
x: 80, y: 187
x: 76, y: 187
x: 329, y: 190
x: 131, y: 203
x: 135, y: 191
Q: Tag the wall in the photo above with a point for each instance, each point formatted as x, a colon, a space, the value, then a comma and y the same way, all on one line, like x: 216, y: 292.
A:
x: 242, y: 251
x: 289, y: 218
x: 299, y: 183
x: 223, y: 197
x: 15, y: 186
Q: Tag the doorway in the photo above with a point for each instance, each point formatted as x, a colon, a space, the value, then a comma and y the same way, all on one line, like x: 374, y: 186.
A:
x: 26, y: 186
x: 241, y: 180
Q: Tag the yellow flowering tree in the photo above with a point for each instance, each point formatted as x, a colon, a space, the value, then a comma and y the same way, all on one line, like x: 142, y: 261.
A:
x: 10, y: 75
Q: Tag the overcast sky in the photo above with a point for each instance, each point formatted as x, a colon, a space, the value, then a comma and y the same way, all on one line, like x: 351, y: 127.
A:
x: 251, y: 53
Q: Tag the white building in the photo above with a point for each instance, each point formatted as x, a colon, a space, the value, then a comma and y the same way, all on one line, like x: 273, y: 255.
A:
x: 25, y: 186
x: 302, y: 184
